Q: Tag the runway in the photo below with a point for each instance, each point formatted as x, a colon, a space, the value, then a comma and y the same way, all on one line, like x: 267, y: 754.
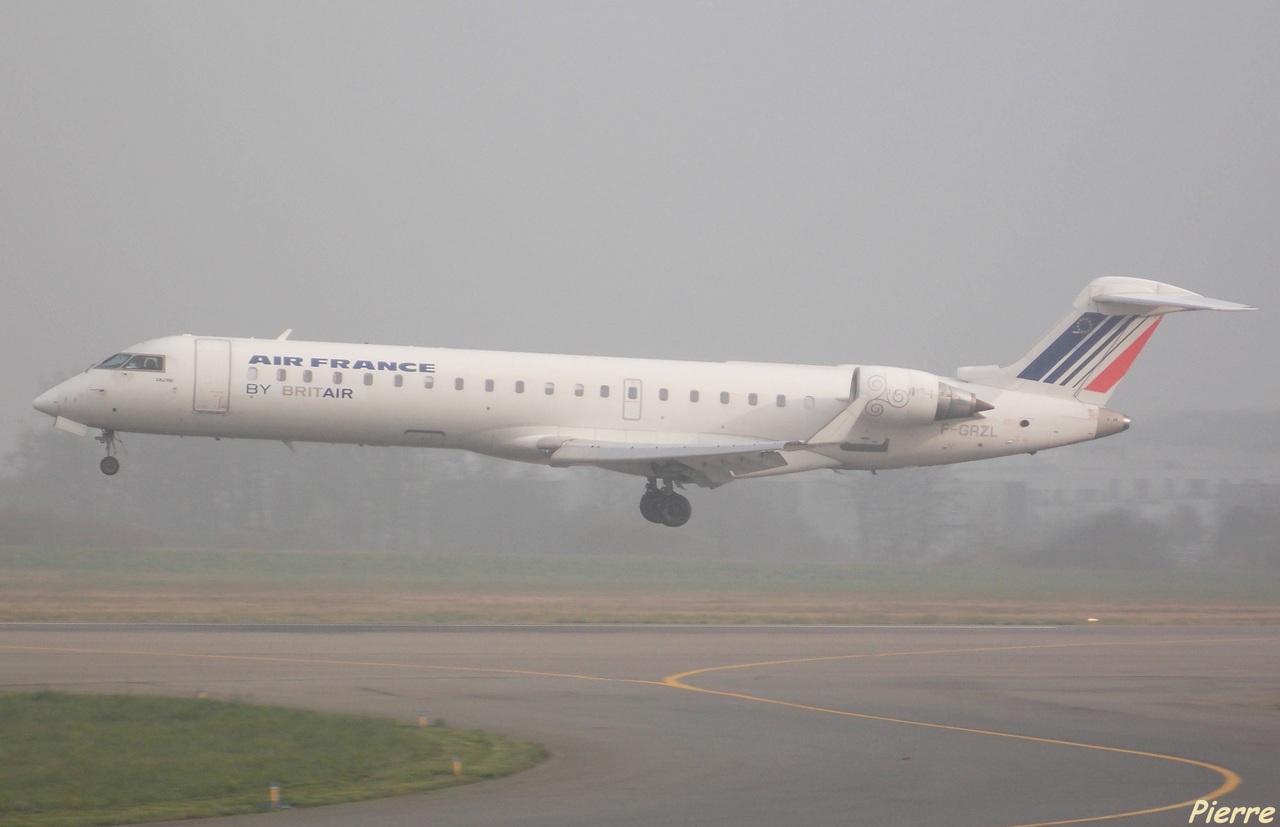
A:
x: 749, y: 725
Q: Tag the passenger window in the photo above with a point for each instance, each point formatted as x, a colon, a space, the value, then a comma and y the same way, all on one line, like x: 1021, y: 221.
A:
x: 399, y: 380
x: 428, y: 382
x: 281, y: 374
x: 782, y: 401
x: 337, y: 377
x: 488, y: 385
x: 662, y: 394
x: 633, y: 392
x: 519, y: 386
x: 368, y: 378
x: 724, y: 397
x: 578, y: 390
x: 306, y: 376
x: 808, y: 403
x: 604, y: 391
x: 549, y: 388
x: 253, y: 373
x: 693, y: 396
x: 752, y: 399
x: 457, y: 384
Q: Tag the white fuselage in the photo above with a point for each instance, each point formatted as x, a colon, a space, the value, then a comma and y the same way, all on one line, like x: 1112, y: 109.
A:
x: 516, y: 405
x: 673, y: 422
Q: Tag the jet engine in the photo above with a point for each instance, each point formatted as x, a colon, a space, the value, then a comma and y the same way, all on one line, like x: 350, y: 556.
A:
x: 911, y: 397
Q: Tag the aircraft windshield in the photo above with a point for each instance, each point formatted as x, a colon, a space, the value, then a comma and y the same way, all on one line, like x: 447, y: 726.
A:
x: 114, y: 362
x: 133, y: 361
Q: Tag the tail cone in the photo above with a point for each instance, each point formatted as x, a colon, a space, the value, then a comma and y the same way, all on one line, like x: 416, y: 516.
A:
x: 1110, y: 422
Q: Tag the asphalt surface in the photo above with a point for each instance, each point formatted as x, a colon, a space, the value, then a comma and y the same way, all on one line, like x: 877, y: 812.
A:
x: 750, y: 726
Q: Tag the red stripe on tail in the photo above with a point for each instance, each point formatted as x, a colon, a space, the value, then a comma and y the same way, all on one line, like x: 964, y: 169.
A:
x: 1115, y: 371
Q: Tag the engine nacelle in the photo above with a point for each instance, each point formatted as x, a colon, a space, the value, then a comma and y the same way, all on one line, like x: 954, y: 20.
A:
x: 911, y: 397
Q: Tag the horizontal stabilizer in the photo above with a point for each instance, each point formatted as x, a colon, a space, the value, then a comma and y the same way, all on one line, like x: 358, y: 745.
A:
x: 1165, y: 298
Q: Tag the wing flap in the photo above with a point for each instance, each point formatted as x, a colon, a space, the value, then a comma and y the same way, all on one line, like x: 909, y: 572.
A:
x: 707, y: 464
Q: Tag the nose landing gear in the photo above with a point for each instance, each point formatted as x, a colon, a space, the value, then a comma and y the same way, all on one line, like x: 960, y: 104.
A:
x: 664, y: 505
x: 109, y: 465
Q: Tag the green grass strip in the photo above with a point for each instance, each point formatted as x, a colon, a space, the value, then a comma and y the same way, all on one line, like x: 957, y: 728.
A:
x: 69, y: 760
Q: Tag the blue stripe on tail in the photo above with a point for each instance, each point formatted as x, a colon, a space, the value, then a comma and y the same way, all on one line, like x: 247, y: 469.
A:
x: 1086, y: 347
x: 1067, y: 341
x: 1103, y: 351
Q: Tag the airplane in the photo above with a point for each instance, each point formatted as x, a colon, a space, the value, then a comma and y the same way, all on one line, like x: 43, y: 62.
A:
x: 674, y: 423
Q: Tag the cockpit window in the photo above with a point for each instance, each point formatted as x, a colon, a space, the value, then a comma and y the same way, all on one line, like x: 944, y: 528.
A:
x: 114, y: 362
x: 143, y: 361
x: 134, y: 361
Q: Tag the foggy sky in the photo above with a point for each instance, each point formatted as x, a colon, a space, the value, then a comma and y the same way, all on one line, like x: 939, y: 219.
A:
x: 926, y: 185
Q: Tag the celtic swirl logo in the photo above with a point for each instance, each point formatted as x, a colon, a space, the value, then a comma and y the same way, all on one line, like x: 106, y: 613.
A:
x: 884, y: 395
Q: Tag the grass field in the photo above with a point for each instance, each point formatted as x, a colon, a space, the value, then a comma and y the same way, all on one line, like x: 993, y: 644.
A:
x: 70, y: 760
x: 371, y: 587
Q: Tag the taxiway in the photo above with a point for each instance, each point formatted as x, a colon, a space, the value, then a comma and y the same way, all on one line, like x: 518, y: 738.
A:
x: 749, y: 725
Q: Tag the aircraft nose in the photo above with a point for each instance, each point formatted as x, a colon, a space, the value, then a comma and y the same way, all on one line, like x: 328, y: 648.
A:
x: 47, y: 402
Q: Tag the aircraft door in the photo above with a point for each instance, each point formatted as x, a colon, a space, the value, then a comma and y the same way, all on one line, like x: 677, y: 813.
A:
x: 631, y: 398
x: 213, y: 376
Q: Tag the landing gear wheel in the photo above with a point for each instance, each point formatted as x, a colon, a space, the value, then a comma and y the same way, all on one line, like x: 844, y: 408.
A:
x: 664, y: 505
x: 676, y: 510
x: 651, y: 505
x: 109, y: 465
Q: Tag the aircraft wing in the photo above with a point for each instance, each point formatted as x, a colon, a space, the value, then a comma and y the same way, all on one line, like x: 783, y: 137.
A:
x: 708, y: 464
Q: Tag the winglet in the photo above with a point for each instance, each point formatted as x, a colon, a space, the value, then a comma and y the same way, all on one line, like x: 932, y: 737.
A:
x: 284, y: 335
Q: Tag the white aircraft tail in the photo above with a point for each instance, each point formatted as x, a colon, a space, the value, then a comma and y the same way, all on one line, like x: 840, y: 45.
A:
x: 1089, y: 351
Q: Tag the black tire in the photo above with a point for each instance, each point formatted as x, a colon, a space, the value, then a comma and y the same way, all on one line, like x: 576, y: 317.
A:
x: 109, y: 466
x: 676, y: 510
x: 651, y: 506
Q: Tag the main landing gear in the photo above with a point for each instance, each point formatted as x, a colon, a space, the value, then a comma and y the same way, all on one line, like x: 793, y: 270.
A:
x: 664, y: 505
x: 109, y: 465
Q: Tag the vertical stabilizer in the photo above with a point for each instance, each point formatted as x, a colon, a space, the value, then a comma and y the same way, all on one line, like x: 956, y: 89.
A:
x: 1089, y: 351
